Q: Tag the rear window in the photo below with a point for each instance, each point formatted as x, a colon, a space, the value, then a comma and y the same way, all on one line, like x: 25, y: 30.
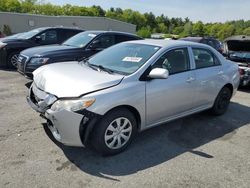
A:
x: 204, y: 58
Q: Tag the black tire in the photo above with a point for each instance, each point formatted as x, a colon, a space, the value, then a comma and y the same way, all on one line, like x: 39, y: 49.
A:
x: 98, y: 135
x: 222, y: 101
x: 9, y: 60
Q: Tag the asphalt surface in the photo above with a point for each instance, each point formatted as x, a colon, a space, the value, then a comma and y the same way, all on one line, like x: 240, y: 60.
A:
x: 197, y: 151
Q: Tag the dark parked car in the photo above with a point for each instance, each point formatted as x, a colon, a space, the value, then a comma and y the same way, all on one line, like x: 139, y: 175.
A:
x: 76, y: 48
x: 237, y: 49
x: 206, y: 40
x: 10, y: 47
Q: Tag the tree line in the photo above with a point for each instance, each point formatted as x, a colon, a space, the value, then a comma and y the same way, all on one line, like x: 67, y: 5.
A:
x: 146, y: 23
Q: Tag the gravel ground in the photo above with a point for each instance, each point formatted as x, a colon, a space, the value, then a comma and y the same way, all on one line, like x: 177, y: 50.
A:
x: 197, y: 151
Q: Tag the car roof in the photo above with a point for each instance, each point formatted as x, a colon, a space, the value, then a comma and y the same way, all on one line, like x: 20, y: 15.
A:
x: 195, y: 39
x: 97, y: 32
x: 166, y: 43
x: 60, y: 27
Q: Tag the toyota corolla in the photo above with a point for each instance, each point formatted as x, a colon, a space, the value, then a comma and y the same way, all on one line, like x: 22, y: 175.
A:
x: 105, y: 100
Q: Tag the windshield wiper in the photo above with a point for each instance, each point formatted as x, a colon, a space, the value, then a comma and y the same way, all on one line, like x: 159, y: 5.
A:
x: 96, y: 67
x: 86, y: 62
x: 100, y: 67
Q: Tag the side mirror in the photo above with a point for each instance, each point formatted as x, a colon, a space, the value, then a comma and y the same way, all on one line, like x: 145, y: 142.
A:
x: 38, y: 38
x: 159, y: 73
x: 94, y: 45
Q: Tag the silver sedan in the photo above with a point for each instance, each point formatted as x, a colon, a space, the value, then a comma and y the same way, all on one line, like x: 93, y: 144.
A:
x: 105, y: 100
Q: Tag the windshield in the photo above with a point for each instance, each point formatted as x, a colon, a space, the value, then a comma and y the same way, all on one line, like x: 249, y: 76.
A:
x: 80, y: 40
x: 13, y: 36
x: 29, y: 34
x: 124, y: 58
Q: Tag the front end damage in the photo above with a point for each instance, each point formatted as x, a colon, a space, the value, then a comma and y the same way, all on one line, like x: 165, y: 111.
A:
x: 67, y: 127
x: 237, y: 49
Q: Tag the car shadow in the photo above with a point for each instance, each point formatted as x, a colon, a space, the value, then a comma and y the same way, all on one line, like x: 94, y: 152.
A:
x: 162, y: 143
x: 244, y: 89
x: 8, y: 69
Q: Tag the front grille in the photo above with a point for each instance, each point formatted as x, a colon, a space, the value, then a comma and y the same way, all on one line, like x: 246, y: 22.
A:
x: 21, y: 63
x: 248, y: 72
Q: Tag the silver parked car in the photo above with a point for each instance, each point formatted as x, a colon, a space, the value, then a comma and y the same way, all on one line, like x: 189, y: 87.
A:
x: 104, y: 100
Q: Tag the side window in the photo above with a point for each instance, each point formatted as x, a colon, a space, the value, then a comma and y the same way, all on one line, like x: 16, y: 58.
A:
x: 66, y: 34
x: 48, y: 37
x: 123, y: 38
x: 204, y: 58
x: 174, y: 61
x: 105, y: 41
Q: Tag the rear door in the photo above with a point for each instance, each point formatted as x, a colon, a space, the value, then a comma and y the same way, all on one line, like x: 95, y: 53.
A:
x: 209, y: 76
x: 169, y: 97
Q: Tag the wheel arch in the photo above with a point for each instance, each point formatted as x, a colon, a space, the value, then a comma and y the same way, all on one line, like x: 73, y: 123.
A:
x: 133, y: 110
x: 229, y: 86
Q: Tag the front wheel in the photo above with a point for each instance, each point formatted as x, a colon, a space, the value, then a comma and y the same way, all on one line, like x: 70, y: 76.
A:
x: 222, y: 101
x: 12, y: 60
x: 114, y: 133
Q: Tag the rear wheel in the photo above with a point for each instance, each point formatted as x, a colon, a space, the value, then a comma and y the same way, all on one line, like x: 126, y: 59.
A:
x: 114, y: 133
x: 12, y: 60
x: 222, y: 101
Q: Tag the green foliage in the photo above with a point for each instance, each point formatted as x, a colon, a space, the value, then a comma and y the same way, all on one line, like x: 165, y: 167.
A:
x: 144, y: 32
x: 247, y: 31
x: 7, y: 30
x: 146, y: 23
x: 198, y: 29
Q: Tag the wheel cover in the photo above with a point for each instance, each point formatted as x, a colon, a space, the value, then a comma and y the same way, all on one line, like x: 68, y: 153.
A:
x: 118, y: 133
x: 13, y: 60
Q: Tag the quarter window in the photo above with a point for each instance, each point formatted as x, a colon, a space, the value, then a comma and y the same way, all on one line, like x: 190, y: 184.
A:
x: 204, y: 58
x: 174, y: 61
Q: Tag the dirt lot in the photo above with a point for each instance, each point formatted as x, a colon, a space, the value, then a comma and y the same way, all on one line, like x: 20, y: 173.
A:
x: 197, y: 151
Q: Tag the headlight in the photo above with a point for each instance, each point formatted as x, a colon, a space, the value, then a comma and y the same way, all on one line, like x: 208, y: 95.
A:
x: 38, y: 60
x: 72, y: 105
x: 2, y: 45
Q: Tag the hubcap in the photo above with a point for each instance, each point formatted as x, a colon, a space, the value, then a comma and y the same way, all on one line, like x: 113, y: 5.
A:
x: 118, y: 133
x: 13, y: 60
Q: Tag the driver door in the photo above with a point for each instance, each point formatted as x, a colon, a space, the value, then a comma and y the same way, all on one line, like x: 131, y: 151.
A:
x: 48, y: 37
x: 166, y: 98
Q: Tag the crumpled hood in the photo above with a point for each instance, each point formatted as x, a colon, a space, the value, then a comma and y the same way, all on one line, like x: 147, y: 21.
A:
x: 47, y: 50
x: 72, y: 79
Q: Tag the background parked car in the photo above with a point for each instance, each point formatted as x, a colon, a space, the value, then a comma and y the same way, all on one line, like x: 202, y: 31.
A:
x: 1, y: 35
x: 131, y: 87
x: 216, y: 44
x: 10, y: 47
x: 78, y: 47
x: 237, y: 49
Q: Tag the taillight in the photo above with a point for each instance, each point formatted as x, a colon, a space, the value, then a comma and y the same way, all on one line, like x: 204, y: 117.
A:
x: 241, y: 71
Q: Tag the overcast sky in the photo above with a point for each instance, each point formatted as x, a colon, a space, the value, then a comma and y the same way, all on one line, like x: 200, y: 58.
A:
x: 204, y: 10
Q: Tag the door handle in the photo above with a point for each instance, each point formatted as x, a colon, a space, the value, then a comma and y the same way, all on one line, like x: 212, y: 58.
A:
x: 220, y: 72
x: 190, y: 79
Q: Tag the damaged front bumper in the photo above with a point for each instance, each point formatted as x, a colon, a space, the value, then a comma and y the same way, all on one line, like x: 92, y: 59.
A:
x: 245, y: 80
x: 245, y: 77
x: 67, y: 127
